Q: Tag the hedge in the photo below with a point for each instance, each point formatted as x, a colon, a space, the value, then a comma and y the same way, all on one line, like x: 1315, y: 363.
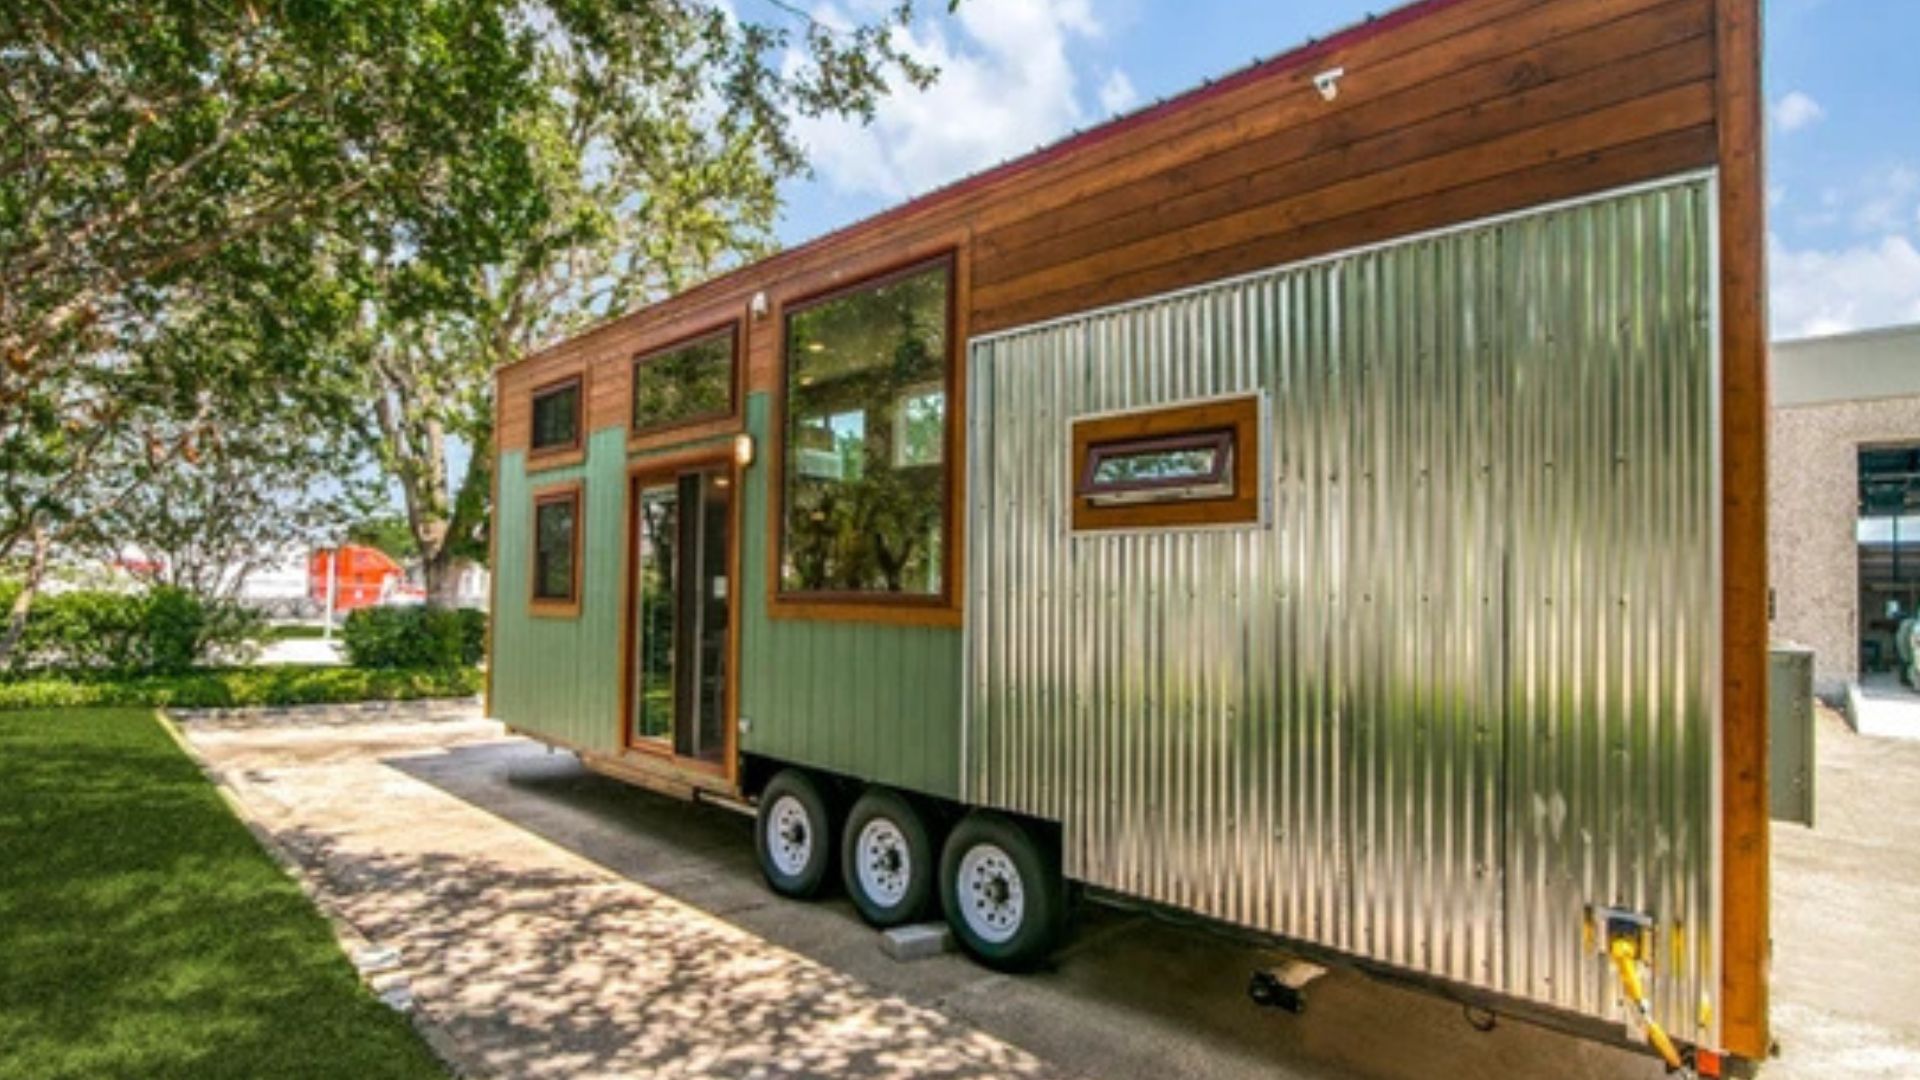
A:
x: 414, y: 637
x: 212, y: 688
x: 160, y: 630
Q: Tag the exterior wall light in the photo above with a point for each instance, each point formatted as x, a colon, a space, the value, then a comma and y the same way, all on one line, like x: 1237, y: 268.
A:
x: 743, y: 449
x: 1328, y: 82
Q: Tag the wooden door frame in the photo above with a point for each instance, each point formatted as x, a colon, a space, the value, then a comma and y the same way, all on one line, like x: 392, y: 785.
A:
x: 671, y: 466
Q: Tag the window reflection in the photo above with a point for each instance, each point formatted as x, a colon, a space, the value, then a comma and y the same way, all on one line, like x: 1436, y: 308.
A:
x: 556, y: 417
x: 684, y: 385
x: 866, y: 484
x: 553, y: 548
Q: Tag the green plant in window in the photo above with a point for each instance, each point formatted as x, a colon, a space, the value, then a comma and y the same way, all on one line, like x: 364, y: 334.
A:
x: 866, y: 482
x: 692, y: 382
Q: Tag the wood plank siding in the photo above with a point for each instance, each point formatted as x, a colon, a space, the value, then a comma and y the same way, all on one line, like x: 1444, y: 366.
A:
x: 1746, y: 922
x: 1450, y: 110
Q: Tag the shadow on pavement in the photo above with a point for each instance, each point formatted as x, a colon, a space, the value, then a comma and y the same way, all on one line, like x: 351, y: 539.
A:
x: 1129, y: 996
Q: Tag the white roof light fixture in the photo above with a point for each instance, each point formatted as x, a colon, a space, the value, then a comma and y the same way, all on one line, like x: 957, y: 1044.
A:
x: 1328, y: 82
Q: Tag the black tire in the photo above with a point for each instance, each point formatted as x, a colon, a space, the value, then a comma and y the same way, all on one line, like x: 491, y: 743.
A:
x: 1000, y: 933
x: 793, y: 835
x: 892, y: 880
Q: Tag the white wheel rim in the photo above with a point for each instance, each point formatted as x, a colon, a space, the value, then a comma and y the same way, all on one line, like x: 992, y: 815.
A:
x: 789, y: 836
x: 992, y: 900
x: 882, y: 862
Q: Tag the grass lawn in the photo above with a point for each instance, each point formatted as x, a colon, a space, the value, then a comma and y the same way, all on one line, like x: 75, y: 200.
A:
x: 143, y: 933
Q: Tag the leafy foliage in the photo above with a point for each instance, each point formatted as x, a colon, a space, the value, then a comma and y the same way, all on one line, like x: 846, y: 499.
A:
x: 233, y: 234
x: 145, y: 143
x: 159, y: 631
x: 387, y: 533
x: 248, y: 687
x: 415, y: 637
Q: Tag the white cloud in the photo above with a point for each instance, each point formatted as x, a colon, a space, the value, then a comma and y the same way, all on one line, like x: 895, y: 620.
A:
x: 1006, y: 86
x: 1797, y: 110
x: 1883, y: 203
x: 1117, y: 94
x: 1829, y: 292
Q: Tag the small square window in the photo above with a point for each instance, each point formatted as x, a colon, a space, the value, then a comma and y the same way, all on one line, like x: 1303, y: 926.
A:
x: 556, y: 417
x: 1185, y: 465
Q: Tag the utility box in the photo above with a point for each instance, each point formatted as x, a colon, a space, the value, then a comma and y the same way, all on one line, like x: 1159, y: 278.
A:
x: 1790, y: 738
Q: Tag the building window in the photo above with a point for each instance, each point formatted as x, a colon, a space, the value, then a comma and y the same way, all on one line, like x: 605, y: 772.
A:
x: 1189, y: 465
x: 556, y: 417
x: 556, y: 551
x: 866, y: 458
x: 685, y: 384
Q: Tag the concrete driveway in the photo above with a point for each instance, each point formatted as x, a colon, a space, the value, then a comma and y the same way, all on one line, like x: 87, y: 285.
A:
x: 554, y: 923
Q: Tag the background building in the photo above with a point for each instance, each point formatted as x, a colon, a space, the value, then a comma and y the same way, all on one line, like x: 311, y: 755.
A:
x: 1844, y: 504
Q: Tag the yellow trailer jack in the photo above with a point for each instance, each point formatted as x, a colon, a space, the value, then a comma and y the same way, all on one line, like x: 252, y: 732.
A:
x: 1624, y: 937
x: 1625, y: 951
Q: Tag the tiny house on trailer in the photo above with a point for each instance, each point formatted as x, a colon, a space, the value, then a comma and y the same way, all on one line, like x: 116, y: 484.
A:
x: 1329, y: 503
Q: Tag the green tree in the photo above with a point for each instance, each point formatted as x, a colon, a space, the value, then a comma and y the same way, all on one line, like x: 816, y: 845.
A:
x: 143, y: 137
x: 216, y: 218
x: 174, y: 178
x: 388, y: 533
x: 657, y: 135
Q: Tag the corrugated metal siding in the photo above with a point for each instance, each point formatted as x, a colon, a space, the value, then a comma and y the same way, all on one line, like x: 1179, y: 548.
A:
x: 878, y: 702
x: 561, y: 677
x: 1459, y: 683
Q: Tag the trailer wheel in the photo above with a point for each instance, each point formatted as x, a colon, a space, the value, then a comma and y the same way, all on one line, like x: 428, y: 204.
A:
x: 793, y: 835
x: 1003, y: 892
x: 887, y: 859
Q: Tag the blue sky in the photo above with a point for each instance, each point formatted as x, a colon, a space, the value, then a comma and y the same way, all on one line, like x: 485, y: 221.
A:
x: 1843, y: 98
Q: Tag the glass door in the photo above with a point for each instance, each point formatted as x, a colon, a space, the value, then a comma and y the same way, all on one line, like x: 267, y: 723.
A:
x: 682, y: 614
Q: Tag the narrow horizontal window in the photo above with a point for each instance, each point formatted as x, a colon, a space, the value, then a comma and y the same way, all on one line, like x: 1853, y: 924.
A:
x: 866, y: 480
x: 1170, y: 468
x: 1183, y: 465
x: 556, y: 417
x: 556, y: 551
x: 685, y: 384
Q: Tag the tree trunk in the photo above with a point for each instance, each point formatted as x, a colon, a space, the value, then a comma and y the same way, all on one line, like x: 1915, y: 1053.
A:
x: 443, y: 578
x: 23, y: 603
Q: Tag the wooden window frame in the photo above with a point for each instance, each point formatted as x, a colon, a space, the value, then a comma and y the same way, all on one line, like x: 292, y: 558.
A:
x: 1233, y: 419
x: 730, y: 417
x: 939, y: 609
x: 559, y: 454
x: 572, y: 492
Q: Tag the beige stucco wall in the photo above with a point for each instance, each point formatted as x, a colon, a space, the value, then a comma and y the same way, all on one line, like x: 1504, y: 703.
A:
x: 1812, y: 504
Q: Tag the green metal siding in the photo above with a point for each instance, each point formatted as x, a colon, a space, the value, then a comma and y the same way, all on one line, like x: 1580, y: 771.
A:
x: 873, y: 701
x: 879, y: 702
x: 560, y: 678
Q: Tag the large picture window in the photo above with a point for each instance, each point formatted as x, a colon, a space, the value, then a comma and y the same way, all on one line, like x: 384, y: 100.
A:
x: 556, y: 551
x: 556, y: 417
x: 865, y: 452
x: 685, y: 384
